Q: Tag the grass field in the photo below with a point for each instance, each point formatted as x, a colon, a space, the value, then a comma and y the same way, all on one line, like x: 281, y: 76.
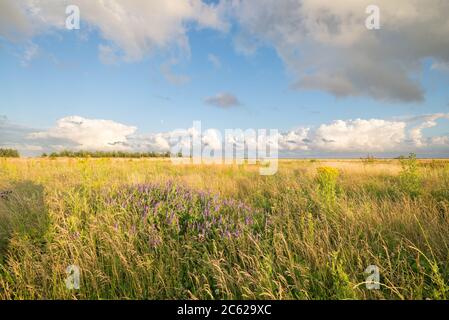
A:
x: 148, y: 229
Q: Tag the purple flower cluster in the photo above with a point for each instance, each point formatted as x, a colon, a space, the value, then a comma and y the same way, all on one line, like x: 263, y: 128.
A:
x: 170, y: 210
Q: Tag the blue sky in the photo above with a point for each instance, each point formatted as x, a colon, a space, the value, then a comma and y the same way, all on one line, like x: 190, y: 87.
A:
x: 55, y: 73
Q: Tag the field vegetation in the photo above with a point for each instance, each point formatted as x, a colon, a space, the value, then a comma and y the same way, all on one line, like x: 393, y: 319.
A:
x: 148, y: 229
x: 9, y: 153
x: 106, y: 154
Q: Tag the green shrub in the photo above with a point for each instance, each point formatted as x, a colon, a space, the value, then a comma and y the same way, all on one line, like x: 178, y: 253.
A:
x: 409, y: 178
x: 9, y: 153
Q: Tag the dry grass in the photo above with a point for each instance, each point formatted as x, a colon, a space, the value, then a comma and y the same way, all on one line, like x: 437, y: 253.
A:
x: 311, y: 237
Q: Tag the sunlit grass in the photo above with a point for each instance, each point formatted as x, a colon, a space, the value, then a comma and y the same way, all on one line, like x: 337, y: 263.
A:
x: 148, y: 229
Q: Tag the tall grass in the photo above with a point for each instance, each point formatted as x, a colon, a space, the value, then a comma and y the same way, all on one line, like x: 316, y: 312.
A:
x: 147, y: 229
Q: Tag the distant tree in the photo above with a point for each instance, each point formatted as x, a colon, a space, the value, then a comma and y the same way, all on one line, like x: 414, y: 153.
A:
x: 9, y: 153
x: 369, y: 159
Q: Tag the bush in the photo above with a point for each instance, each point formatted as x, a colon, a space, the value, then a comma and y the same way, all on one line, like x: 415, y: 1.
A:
x: 409, y: 178
x: 9, y: 153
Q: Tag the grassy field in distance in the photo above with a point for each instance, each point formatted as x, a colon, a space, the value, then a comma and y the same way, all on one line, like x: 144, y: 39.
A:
x: 148, y: 229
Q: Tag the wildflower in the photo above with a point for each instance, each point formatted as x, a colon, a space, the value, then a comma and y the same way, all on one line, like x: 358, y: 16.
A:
x: 171, y: 217
x: 327, y: 183
x: 146, y: 210
x: 154, y: 241
x: 185, y: 211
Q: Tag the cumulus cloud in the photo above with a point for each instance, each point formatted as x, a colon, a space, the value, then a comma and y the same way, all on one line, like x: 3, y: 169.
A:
x: 326, y: 45
x: 358, y: 135
x: 87, y: 134
x: 347, y: 136
x: 223, y: 100
x: 341, y: 138
x: 338, y: 138
x: 421, y: 123
x: 295, y: 140
x: 14, y: 23
x: 212, y: 138
x: 368, y: 135
x: 136, y: 27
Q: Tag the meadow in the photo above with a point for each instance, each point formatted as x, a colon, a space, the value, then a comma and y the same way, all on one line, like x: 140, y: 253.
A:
x: 148, y: 229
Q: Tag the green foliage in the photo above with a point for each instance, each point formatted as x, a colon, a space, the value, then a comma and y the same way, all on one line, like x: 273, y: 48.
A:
x: 409, y: 178
x: 9, y: 153
x: 327, y: 183
x: 341, y: 283
x: 106, y: 154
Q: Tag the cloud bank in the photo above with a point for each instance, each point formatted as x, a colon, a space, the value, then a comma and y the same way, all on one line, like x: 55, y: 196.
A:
x: 324, y: 44
x: 339, y: 137
x: 137, y: 28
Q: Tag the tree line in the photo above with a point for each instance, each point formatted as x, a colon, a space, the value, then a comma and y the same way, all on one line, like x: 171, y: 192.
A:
x: 106, y: 154
x: 9, y: 153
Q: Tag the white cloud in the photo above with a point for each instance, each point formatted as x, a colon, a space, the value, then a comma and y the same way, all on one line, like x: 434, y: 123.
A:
x: 326, y: 45
x: 437, y: 142
x: 426, y: 122
x: 340, y: 137
x: 223, y: 100
x: 136, y: 27
x: 372, y: 135
x: 367, y: 136
x: 213, y: 139
x: 14, y: 23
x: 87, y: 134
x: 295, y: 140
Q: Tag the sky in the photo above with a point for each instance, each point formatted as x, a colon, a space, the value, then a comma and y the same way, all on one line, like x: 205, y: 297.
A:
x: 137, y: 71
